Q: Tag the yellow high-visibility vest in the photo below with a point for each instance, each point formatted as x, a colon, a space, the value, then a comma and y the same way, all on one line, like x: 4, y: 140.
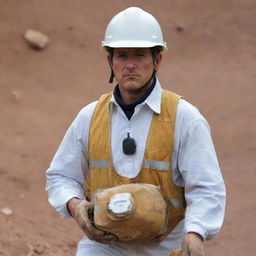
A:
x: 156, y: 167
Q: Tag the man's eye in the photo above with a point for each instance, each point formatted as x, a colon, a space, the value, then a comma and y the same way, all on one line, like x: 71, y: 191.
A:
x: 120, y: 55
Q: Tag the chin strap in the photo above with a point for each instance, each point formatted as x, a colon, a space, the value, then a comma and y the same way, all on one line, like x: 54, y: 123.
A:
x: 111, y: 77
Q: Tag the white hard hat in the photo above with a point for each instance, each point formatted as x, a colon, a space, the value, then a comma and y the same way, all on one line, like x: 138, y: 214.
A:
x: 133, y: 28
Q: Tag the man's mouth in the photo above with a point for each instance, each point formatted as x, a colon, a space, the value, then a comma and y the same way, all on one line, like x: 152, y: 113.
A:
x: 131, y: 75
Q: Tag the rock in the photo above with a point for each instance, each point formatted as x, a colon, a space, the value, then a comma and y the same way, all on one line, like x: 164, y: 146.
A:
x: 6, y: 211
x: 179, y: 28
x: 21, y: 195
x: 36, y: 39
x: 16, y: 95
x: 41, y: 248
x: 37, y: 249
x: 209, y: 33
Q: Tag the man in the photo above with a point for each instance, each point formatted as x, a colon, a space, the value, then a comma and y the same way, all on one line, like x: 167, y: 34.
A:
x: 139, y: 134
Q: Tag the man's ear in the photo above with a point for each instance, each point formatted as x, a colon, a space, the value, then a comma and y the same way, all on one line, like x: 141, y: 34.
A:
x: 158, y: 61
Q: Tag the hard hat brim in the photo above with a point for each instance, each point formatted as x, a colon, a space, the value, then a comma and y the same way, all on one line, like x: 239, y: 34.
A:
x: 133, y: 44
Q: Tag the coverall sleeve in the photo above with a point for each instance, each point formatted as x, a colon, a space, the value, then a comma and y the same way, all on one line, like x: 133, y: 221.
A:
x: 202, y: 179
x: 67, y: 172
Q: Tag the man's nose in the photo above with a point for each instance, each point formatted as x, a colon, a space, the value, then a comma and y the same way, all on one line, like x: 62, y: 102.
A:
x: 130, y: 65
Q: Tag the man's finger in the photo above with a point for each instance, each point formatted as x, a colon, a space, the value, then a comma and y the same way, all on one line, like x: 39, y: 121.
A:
x: 106, y: 239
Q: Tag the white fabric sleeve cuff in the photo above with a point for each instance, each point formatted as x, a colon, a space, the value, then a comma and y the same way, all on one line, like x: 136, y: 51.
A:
x: 196, y: 229
x: 61, y: 206
x: 200, y: 231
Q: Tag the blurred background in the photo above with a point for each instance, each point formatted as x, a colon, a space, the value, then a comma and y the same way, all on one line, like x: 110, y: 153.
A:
x: 211, y: 62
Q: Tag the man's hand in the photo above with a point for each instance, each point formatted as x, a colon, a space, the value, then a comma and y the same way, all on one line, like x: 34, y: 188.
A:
x: 192, y: 245
x: 175, y: 253
x: 79, y: 211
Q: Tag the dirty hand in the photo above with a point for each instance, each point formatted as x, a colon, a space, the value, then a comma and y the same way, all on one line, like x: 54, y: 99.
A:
x: 192, y: 245
x: 79, y: 211
x: 175, y: 253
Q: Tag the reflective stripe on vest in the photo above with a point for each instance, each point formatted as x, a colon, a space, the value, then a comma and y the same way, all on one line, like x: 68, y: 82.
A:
x: 157, y: 165
x: 100, y: 163
x: 149, y: 164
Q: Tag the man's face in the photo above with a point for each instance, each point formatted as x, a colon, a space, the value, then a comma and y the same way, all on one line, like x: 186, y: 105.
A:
x: 133, y: 68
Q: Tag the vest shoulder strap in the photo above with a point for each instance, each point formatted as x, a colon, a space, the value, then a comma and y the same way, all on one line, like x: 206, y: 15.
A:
x: 98, y: 129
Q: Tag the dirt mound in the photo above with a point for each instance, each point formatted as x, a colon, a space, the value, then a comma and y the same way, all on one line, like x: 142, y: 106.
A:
x: 210, y: 62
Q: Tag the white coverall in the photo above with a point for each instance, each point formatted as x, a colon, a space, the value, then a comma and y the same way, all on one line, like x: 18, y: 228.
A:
x: 194, y: 162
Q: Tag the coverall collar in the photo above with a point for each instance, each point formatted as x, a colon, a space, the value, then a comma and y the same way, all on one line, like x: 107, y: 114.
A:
x: 153, y: 100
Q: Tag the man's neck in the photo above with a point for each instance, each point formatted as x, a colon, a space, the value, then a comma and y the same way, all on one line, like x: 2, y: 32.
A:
x: 134, y: 96
x: 129, y: 108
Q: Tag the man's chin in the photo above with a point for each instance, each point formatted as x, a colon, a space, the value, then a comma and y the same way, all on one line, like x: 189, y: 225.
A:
x: 132, y: 86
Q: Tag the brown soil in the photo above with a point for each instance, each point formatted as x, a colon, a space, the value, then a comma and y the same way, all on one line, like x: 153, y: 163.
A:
x: 211, y: 61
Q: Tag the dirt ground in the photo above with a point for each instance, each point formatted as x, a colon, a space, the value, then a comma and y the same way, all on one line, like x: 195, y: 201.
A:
x: 211, y: 62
